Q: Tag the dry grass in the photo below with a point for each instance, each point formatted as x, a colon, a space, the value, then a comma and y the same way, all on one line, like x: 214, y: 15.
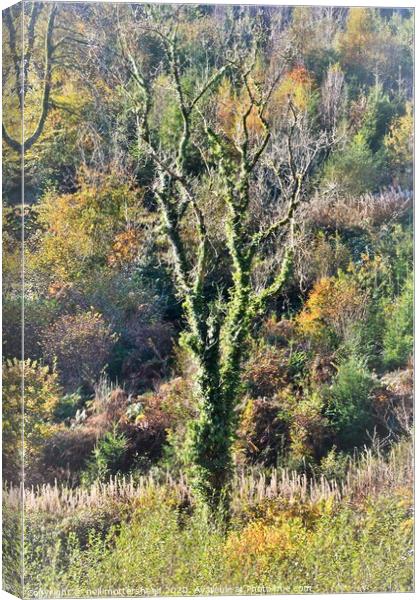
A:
x: 369, y: 474
x: 359, y: 212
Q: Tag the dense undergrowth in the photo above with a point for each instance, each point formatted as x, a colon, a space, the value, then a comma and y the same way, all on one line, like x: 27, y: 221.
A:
x: 285, y: 535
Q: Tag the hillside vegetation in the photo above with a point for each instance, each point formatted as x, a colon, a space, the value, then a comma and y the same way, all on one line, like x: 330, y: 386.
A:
x: 218, y: 311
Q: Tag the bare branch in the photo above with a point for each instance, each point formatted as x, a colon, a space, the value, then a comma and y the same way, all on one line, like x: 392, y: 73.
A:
x: 208, y: 85
x: 259, y: 302
x: 15, y: 58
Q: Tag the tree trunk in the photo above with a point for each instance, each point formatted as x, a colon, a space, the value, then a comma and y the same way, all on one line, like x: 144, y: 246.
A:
x: 211, y: 440
x: 214, y: 431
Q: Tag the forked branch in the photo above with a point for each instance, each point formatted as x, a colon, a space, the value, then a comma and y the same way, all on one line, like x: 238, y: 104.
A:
x: 26, y: 144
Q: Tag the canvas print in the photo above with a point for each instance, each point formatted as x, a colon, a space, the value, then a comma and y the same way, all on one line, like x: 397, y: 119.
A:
x: 207, y: 299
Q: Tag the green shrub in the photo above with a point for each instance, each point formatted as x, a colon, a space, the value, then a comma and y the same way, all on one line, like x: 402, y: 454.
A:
x: 394, y: 246
x: 108, y: 457
x: 379, y: 112
x: 355, y: 169
x: 349, y: 402
x: 398, y: 335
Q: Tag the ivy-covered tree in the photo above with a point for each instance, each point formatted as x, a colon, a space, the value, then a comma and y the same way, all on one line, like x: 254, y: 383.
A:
x: 249, y: 162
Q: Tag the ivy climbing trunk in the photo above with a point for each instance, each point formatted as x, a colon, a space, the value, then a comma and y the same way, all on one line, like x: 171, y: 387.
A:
x: 213, y: 433
x: 210, y: 445
x: 217, y: 324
